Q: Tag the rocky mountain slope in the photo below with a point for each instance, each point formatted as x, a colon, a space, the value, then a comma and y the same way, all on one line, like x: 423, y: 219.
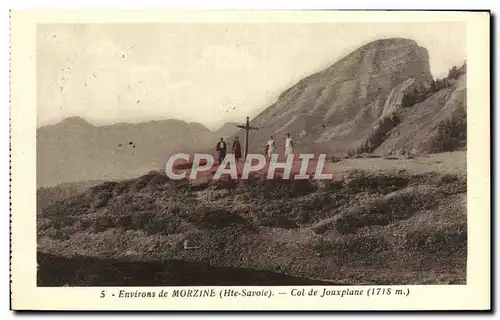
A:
x: 437, y: 124
x: 339, y: 109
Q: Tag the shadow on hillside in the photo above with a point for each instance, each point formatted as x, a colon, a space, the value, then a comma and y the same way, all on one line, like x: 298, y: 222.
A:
x: 55, y: 271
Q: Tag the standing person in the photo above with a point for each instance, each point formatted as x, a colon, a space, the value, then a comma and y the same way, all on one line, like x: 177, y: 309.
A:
x: 288, y: 145
x: 221, y: 148
x: 271, y: 146
x: 237, y: 149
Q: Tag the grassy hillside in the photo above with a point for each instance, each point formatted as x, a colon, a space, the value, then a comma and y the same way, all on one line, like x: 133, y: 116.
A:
x: 381, y: 224
x: 46, y: 196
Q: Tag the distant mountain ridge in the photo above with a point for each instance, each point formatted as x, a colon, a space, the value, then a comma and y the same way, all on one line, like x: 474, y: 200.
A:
x: 76, y: 150
x: 227, y: 129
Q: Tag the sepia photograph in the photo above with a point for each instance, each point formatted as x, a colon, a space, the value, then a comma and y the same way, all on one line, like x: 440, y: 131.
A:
x: 115, y: 101
x: 251, y: 153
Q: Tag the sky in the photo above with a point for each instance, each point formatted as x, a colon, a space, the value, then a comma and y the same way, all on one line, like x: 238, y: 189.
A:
x: 206, y: 73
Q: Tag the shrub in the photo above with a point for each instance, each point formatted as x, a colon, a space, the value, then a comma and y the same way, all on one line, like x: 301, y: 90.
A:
x: 420, y: 93
x: 452, y: 134
x: 379, y: 135
x: 322, y: 246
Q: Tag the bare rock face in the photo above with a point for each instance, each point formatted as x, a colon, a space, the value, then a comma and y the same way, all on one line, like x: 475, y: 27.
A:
x: 437, y: 124
x: 336, y: 108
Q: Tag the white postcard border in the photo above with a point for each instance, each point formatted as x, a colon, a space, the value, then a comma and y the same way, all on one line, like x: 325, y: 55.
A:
x: 25, y: 293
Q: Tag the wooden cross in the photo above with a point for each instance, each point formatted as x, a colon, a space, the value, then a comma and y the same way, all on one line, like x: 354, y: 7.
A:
x: 247, y: 130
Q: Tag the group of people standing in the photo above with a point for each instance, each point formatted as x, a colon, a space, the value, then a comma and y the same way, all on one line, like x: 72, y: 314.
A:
x: 221, y: 148
x: 271, y: 146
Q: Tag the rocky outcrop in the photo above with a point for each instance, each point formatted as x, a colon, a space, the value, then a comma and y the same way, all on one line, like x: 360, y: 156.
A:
x: 437, y: 124
x: 337, y: 108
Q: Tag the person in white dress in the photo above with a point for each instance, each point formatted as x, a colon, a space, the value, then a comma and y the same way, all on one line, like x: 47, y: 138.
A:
x: 288, y: 145
x: 271, y: 146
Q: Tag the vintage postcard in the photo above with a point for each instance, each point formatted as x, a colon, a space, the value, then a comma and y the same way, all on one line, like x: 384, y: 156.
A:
x: 250, y: 160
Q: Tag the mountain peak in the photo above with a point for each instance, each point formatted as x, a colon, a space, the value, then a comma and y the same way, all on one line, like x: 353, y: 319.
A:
x: 392, y: 41
x: 75, y: 121
x: 337, y: 107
